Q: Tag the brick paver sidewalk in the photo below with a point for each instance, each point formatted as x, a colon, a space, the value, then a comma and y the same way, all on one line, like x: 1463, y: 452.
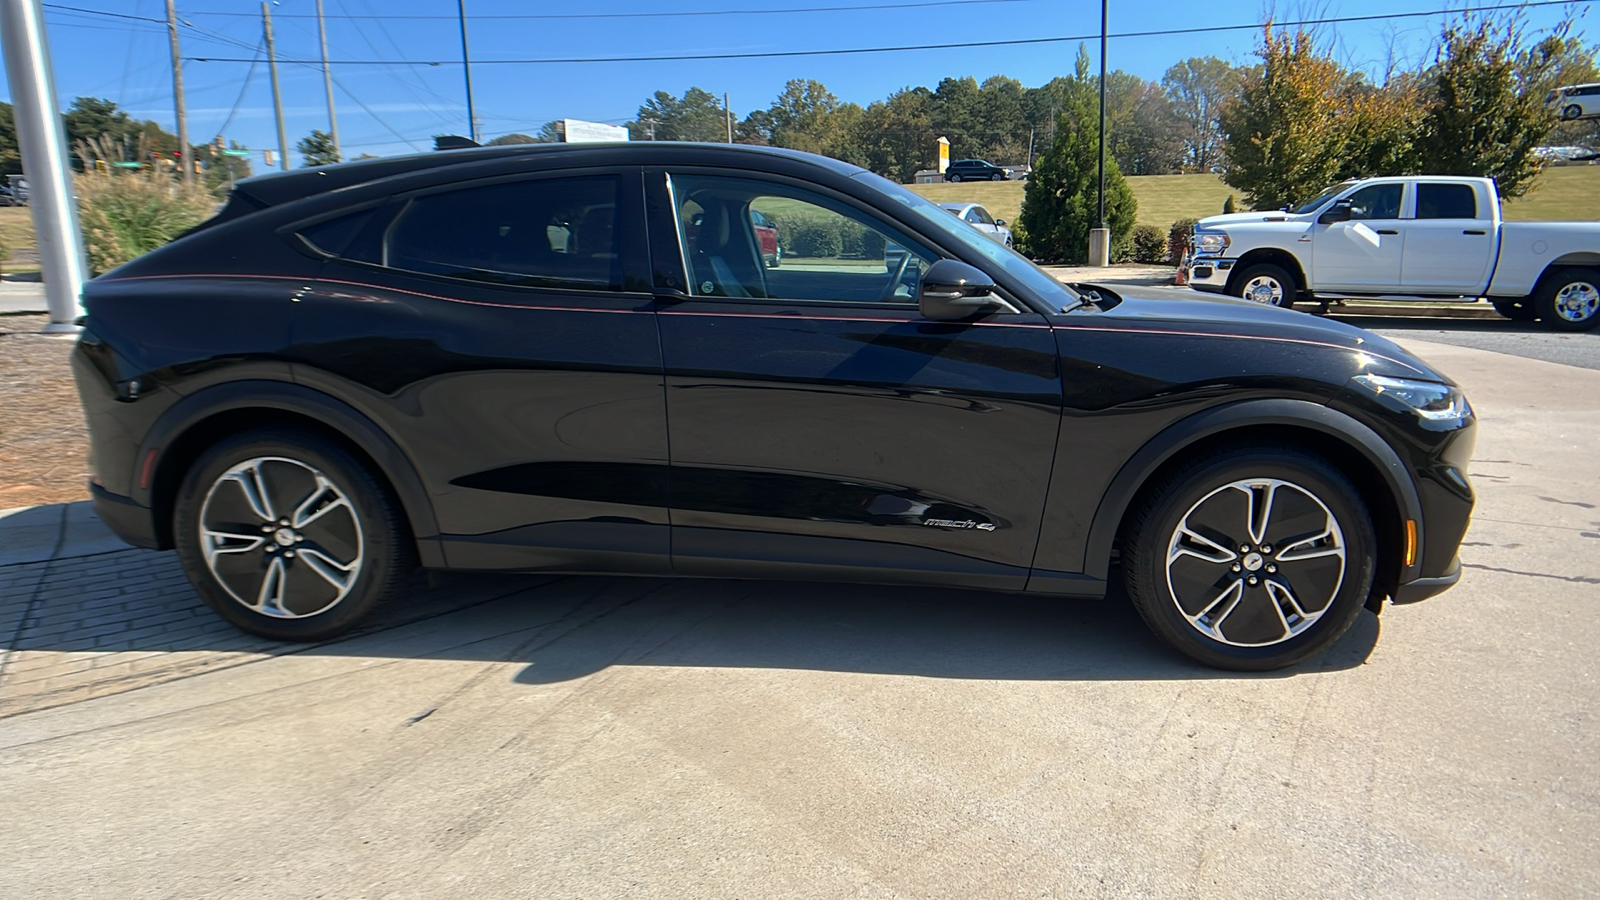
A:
x: 89, y: 626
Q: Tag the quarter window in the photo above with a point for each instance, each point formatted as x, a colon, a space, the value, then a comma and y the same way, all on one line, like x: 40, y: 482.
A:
x: 334, y: 235
x: 758, y: 240
x: 1446, y: 201
x: 553, y: 233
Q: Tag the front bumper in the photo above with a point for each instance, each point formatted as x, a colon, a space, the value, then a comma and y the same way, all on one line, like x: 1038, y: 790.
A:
x: 1208, y: 273
x: 126, y: 519
x: 1423, y: 588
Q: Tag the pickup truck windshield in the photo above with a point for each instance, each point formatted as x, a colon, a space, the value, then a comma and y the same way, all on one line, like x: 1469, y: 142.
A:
x: 1311, y: 205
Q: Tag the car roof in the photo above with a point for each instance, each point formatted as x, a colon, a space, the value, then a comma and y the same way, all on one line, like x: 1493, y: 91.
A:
x: 959, y: 207
x: 281, y: 187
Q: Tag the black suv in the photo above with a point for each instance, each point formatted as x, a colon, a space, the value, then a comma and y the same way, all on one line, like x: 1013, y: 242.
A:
x: 525, y: 359
x: 975, y: 170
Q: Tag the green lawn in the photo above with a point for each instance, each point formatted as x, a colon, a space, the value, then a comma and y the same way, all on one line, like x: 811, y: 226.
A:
x: 1567, y: 194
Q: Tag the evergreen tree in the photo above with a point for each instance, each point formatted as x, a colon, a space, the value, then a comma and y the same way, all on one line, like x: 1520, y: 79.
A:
x: 316, y: 149
x: 1060, y: 204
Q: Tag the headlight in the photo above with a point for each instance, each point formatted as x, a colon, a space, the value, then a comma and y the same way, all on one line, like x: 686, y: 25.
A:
x: 1210, y: 242
x: 1439, y: 406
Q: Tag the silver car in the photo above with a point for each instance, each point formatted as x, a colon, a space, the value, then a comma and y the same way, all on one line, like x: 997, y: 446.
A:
x: 978, y: 217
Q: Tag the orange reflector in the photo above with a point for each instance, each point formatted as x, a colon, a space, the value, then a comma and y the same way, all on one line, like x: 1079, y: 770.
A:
x: 149, y: 468
x: 1411, y: 542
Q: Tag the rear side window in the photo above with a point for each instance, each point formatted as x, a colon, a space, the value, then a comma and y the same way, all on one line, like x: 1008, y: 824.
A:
x: 554, y: 233
x: 334, y: 235
x: 1446, y: 201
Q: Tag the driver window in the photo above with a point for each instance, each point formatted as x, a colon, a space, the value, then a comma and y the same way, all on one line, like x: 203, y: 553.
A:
x: 1378, y: 201
x: 744, y: 238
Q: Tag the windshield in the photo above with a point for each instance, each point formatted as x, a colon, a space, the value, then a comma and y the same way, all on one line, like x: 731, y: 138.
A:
x: 939, y: 220
x: 1311, y: 205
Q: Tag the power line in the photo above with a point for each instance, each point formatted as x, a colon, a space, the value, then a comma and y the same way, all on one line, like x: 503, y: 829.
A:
x: 101, y: 12
x: 924, y: 4
x: 966, y: 45
x: 223, y: 128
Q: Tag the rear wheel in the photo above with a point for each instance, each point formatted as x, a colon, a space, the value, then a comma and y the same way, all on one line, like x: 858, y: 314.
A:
x: 1569, y: 299
x: 1266, y: 284
x: 1250, y: 559
x: 955, y: 177
x: 1515, y: 310
x: 288, y: 536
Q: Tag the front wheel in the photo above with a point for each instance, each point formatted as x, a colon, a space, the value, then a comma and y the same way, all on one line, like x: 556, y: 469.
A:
x: 1250, y: 559
x: 288, y: 536
x: 997, y: 177
x: 1572, y: 112
x: 1569, y: 300
x: 1266, y: 284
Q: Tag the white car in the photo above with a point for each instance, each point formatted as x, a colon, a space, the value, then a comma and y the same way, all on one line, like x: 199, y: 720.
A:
x: 1578, y: 101
x: 979, y: 218
x: 1417, y: 237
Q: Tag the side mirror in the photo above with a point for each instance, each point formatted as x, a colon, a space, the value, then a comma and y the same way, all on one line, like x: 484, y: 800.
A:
x: 1000, y: 222
x: 955, y: 290
x: 1339, y: 212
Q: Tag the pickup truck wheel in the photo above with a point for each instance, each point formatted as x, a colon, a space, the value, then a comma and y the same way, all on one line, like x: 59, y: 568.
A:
x: 1266, y: 284
x: 1569, y: 300
x: 1516, y: 310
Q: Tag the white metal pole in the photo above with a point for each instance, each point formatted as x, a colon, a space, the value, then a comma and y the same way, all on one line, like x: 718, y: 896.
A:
x: 43, y: 142
x: 327, y: 82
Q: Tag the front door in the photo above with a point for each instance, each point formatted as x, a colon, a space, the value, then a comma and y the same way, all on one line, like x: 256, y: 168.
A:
x: 1364, y: 254
x: 818, y: 423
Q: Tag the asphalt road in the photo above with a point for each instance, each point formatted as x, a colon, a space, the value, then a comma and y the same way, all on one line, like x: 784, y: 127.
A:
x: 610, y: 737
x: 1529, y: 340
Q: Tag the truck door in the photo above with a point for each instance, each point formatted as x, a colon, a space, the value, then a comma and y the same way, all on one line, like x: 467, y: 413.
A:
x: 1362, y: 255
x: 1450, y: 240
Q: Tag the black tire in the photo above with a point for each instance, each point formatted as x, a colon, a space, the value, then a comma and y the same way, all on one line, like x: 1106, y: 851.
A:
x: 1268, y: 633
x: 1289, y: 289
x: 1572, y: 112
x: 1515, y: 310
x: 997, y: 177
x: 354, y: 548
x: 952, y: 178
x: 1569, y: 299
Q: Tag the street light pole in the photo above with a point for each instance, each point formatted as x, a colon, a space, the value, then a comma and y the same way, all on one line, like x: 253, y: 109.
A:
x: 466, y: 69
x: 1100, y: 236
x: 43, y: 143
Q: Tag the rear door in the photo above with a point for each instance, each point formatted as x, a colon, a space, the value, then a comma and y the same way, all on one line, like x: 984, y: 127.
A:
x: 503, y: 331
x: 820, y: 427
x: 1450, y: 240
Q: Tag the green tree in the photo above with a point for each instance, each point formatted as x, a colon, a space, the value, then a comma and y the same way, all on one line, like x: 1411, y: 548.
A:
x: 1199, y: 88
x: 1556, y: 61
x: 10, y: 156
x: 1485, y: 113
x: 1060, y: 204
x: 514, y: 138
x: 895, y: 137
x: 1281, y: 135
x: 696, y: 116
x: 316, y: 149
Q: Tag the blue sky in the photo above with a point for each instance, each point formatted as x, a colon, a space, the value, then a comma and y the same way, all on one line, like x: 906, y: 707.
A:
x: 127, y: 60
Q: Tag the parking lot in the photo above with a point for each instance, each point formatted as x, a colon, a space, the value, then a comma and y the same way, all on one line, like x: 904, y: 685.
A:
x: 583, y: 737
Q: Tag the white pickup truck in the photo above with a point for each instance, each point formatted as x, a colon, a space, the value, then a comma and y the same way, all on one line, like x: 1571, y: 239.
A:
x: 1405, y: 238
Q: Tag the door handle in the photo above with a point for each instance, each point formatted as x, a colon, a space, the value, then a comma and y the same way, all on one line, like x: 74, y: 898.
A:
x: 1387, y: 231
x: 1470, y: 231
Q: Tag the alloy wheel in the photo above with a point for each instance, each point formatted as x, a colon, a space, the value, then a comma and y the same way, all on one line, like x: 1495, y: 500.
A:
x: 1255, y: 562
x: 281, y: 538
x: 1577, y: 301
x: 1264, y: 289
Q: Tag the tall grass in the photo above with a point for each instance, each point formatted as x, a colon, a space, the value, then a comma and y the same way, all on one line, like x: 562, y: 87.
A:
x: 127, y: 214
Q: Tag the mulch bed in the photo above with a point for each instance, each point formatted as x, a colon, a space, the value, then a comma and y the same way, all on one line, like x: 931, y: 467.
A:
x: 44, y: 445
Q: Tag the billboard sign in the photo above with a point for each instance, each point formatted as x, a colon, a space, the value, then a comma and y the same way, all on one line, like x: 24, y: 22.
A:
x: 578, y: 131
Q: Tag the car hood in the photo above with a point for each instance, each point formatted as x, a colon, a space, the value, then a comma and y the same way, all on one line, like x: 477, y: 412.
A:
x: 1248, y: 218
x: 1171, y: 308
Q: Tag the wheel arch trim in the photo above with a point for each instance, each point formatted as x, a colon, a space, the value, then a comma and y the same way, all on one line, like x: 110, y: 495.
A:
x: 1149, y: 459
x: 194, y: 410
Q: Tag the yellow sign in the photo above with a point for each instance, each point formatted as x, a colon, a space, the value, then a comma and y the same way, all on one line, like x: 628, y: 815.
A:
x: 944, y: 154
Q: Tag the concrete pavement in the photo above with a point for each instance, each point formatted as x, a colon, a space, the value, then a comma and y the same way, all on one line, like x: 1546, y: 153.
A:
x: 608, y: 737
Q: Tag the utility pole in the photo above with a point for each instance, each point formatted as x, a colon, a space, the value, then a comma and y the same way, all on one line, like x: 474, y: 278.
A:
x: 43, y: 142
x: 277, y: 95
x: 185, y: 162
x: 1100, y: 237
x: 466, y: 69
x: 1030, y: 148
x: 327, y: 79
x: 727, y: 113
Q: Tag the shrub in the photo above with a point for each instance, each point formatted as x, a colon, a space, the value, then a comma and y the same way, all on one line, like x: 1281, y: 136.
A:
x: 1228, y: 206
x: 1149, y: 244
x: 872, y: 244
x: 816, y: 238
x: 128, y: 215
x: 1178, y: 239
